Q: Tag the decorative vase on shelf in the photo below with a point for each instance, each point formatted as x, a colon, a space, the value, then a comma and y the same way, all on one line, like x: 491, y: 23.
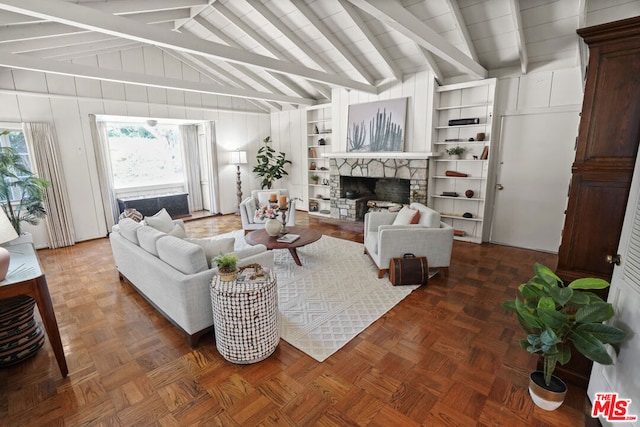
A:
x: 273, y: 227
x: 455, y: 157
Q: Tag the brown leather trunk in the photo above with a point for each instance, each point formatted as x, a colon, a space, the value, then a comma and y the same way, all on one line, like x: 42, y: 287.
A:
x: 409, y: 270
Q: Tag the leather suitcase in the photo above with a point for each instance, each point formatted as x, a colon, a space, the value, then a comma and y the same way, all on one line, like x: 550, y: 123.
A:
x: 409, y: 270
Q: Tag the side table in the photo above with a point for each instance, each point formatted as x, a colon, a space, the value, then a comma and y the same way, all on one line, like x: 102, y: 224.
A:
x: 245, y: 318
x: 25, y: 277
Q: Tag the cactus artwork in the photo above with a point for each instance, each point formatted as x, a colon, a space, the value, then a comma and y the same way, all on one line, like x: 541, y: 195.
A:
x: 376, y: 126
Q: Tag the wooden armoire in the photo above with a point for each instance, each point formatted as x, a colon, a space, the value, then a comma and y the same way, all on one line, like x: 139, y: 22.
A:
x: 606, y: 149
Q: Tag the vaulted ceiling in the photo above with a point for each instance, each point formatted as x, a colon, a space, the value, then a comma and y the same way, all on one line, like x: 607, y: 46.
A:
x: 288, y: 53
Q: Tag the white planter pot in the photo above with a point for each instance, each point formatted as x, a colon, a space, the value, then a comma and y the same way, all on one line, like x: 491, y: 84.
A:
x: 273, y: 227
x: 547, y: 398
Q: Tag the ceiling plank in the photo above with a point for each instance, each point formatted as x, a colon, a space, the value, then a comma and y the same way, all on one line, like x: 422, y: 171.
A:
x: 522, y: 45
x: 219, y: 75
x: 43, y: 43
x: 333, y: 40
x: 384, y: 55
x: 224, y: 11
x: 241, y: 69
x: 69, y: 52
x: 67, y: 69
x: 393, y: 14
x: 462, y: 28
x: 290, y: 35
x: 124, y: 7
x: 94, y: 20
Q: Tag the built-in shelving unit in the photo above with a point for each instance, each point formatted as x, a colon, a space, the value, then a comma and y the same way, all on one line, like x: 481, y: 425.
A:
x: 319, y: 132
x: 467, y: 212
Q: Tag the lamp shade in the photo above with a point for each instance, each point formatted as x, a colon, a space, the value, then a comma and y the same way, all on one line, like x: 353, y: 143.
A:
x: 7, y: 232
x: 238, y: 157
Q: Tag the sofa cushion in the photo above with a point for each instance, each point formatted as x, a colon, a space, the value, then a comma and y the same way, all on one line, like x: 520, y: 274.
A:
x: 250, y: 209
x: 160, y: 221
x: 214, y: 246
x: 177, y: 231
x: 148, y: 238
x: 131, y: 213
x: 128, y: 229
x: 407, y: 216
x: 184, y: 256
x: 428, y: 217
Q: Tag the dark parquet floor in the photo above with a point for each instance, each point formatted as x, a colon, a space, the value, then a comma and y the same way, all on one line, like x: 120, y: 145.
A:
x: 447, y: 355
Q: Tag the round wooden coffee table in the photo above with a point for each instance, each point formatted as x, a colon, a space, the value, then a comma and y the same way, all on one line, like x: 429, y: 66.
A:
x: 307, y: 235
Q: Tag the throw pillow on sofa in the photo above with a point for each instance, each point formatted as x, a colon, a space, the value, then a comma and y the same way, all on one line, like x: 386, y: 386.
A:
x: 160, y: 221
x: 214, y: 247
x: 128, y: 229
x: 407, y: 216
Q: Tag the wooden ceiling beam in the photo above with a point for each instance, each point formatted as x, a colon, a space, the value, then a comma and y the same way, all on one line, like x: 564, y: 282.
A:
x: 64, y: 68
x: 393, y: 14
x: 522, y: 45
x: 94, y: 20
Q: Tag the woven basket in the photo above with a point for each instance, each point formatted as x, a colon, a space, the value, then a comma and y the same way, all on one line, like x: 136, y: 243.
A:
x: 245, y: 318
x: 228, y: 276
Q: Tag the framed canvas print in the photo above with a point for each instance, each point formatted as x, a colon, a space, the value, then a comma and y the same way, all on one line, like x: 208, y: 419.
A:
x: 377, y: 126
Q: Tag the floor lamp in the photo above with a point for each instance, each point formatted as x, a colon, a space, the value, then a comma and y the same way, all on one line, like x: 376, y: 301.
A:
x: 238, y: 158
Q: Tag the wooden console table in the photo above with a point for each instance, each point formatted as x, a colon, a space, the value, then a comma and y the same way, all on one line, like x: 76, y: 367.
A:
x: 25, y: 277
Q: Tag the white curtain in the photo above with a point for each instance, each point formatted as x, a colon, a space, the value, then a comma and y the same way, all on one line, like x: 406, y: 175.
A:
x: 212, y: 161
x: 42, y: 141
x: 103, y: 163
x: 189, y: 137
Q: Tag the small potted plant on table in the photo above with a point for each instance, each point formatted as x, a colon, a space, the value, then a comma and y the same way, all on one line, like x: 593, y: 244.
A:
x: 227, y: 266
x: 553, y: 316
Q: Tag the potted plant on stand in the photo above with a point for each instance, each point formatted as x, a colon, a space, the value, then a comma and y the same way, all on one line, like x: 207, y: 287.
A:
x: 456, y: 152
x: 554, y: 316
x: 227, y: 266
x: 21, y: 192
x: 270, y: 165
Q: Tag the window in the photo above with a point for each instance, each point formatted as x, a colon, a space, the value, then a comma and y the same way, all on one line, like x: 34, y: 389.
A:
x: 14, y: 138
x: 144, y: 156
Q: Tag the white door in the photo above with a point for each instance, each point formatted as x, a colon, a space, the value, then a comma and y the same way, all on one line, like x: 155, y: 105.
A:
x: 533, y: 174
x: 623, y: 377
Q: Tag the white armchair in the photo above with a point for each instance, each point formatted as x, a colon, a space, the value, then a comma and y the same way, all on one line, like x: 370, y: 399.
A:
x: 258, y: 198
x: 429, y: 237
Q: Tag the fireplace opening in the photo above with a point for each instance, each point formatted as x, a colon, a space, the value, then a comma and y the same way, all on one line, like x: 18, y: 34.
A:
x: 394, y: 190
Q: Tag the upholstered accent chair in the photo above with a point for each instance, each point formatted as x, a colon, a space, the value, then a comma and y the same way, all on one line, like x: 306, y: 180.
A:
x: 259, y: 198
x: 392, y: 234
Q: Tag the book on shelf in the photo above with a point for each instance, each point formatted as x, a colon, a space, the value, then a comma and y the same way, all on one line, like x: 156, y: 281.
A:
x: 288, y: 238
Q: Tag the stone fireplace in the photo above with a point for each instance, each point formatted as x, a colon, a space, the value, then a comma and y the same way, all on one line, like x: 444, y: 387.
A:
x: 395, y: 180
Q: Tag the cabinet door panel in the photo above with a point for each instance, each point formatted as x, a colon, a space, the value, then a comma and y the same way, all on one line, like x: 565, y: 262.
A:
x: 612, y: 113
x: 594, y: 221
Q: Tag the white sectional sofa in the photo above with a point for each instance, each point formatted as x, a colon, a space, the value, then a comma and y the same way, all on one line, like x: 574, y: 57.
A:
x: 172, y: 273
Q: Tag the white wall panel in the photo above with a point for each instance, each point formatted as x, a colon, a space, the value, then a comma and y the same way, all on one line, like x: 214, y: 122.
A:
x: 70, y: 118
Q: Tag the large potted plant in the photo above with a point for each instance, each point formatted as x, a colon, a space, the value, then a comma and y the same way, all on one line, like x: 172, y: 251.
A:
x: 21, y: 192
x: 554, y: 316
x: 270, y: 165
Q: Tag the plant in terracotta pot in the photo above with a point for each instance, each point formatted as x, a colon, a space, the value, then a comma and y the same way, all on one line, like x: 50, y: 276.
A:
x: 315, y: 178
x: 270, y: 165
x: 553, y: 315
x: 227, y: 266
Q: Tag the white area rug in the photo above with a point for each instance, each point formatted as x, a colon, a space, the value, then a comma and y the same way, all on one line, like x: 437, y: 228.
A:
x: 332, y: 297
